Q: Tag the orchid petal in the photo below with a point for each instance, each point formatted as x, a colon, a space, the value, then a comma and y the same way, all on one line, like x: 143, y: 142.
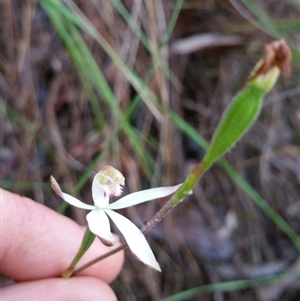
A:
x: 99, y: 224
x: 135, y: 239
x: 68, y: 198
x: 98, y: 193
x: 75, y: 202
x: 143, y: 196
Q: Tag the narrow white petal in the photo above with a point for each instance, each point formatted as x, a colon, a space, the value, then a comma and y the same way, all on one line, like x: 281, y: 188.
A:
x: 143, y: 196
x: 75, y: 202
x: 135, y: 239
x: 68, y: 198
x: 98, y: 193
x: 99, y: 224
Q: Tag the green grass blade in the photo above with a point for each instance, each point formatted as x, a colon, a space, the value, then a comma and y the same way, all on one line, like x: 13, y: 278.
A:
x: 231, y: 286
x: 83, y: 59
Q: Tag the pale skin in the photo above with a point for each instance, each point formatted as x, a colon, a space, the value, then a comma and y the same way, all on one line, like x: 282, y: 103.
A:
x: 38, y: 244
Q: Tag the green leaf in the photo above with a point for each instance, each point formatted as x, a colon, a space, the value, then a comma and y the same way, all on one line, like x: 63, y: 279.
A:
x: 88, y: 239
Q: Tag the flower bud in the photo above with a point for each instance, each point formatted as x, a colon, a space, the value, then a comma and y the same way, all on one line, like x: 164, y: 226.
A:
x: 276, y: 59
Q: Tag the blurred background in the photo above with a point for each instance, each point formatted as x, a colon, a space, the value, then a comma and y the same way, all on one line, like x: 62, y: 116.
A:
x: 140, y: 85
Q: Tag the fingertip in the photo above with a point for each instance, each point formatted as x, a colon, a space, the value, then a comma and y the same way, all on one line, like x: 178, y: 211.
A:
x: 40, y: 243
x: 58, y: 289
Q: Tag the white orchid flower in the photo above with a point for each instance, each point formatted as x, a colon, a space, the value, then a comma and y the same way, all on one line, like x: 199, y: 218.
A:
x: 108, y: 183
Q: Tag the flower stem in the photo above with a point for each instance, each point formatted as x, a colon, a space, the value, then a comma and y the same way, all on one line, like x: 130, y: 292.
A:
x: 99, y: 258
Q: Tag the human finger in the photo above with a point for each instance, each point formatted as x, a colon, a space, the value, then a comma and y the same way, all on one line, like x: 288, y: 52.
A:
x: 80, y: 288
x: 37, y: 242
